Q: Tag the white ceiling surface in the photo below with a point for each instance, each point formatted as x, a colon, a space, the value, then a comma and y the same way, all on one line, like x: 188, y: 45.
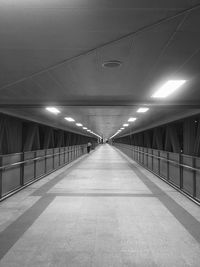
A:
x: 51, y: 52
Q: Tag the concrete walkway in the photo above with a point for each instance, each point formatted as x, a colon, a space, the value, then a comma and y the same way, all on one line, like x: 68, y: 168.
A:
x: 103, y: 210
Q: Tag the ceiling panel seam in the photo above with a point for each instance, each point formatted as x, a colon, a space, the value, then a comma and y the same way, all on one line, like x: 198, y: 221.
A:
x: 166, y: 45
x: 141, y: 30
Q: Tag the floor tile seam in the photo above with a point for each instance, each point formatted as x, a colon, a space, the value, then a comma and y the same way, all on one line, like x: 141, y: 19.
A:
x: 99, y: 195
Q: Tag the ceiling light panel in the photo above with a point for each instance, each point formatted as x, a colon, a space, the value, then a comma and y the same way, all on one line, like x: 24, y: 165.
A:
x: 142, y: 110
x: 53, y: 110
x: 79, y: 124
x: 126, y: 125
x: 69, y: 119
x: 132, y: 119
x: 168, y: 88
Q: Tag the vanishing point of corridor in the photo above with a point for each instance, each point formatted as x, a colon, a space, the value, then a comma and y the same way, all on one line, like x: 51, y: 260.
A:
x: 101, y: 210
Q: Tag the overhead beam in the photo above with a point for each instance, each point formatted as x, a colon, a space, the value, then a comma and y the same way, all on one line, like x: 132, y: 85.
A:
x: 102, y: 104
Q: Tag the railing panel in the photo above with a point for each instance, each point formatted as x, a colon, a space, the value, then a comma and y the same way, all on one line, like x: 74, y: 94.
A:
x: 70, y: 154
x: 198, y: 179
x: 145, y: 157
x: 18, y: 170
x: 49, y: 160
x: 174, y: 169
x: 141, y: 155
x: 150, y: 159
x: 180, y: 170
x: 56, y: 158
x: 40, y: 163
x: 62, y: 156
x: 156, y: 161
x: 29, y: 167
x: 11, y: 177
x: 163, y: 164
x: 188, y: 175
x: 66, y: 154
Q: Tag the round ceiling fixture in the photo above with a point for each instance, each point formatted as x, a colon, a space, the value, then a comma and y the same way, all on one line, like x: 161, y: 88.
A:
x: 112, y: 64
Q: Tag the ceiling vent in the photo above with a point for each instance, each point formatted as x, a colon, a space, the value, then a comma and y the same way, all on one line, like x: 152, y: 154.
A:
x: 112, y: 64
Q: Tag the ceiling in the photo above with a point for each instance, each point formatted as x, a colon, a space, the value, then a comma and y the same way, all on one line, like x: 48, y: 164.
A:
x: 51, y: 53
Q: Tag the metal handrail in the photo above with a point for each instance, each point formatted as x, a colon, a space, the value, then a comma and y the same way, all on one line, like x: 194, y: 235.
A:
x: 164, y: 159
x: 12, y: 165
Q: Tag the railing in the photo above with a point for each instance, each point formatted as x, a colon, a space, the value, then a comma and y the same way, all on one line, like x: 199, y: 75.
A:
x: 21, y: 169
x: 181, y: 171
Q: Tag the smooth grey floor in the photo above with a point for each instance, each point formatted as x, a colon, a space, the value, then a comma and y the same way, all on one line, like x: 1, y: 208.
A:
x: 102, y: 210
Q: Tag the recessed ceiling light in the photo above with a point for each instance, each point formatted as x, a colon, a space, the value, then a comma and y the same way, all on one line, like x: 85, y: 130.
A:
x: 79, y: 124
x: 69, y: 119
x: 53, y: 110
x: 126, y: 125
x: 168, y: 88
x: 142, y: 110
x: 112, y: 64
x: 132, y: 119
x: 121, y: 128
x: 85, y: 128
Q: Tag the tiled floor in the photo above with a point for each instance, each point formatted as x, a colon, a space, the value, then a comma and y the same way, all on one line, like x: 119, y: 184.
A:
x: 104, y: 210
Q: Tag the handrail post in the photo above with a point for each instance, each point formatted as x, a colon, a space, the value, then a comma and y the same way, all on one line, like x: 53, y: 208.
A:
x: 1, y: 171
x: 181, y: 170
x: 45, y: 161
x: 53, y: 158
x: 35, y: 164
x: 159, y: 162
x: 22, y: 170
x: 194, y: 177
x: 168, y: 166
x: 59, y: 156
x: 64, y: 150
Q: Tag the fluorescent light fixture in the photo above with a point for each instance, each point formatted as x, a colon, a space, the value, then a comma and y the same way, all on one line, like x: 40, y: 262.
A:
x: 79, y: 124
x: 142, y: 110
x: 69, y: 119
x: 53, y: 110
x: 85, y: 128
x: 132, y: 119
x: 126, y: 125
x: 168, y: 88
x: 88, y: 130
